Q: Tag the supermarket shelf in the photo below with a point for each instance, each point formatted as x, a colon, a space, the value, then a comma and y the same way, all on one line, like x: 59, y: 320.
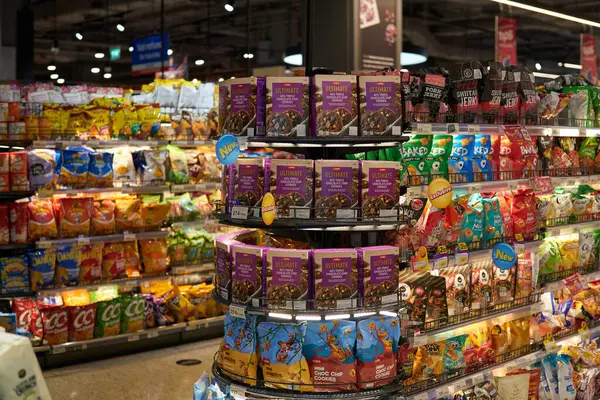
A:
x: 315, y: 224
x: 121, y: 237
x: 325, y: 141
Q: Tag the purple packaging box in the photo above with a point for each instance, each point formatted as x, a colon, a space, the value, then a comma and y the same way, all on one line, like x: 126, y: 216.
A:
x: 380, y: 189
x: 287, y: 278
x: 336, y: 189
x: 334, y: 106
x: 335, y: 278
x: 291, y: 184
x: 380, y: 105
x: 244, y: 106
x: 249, y: 184
x: 378, y: 269
x: 287, y: 106
x: 247, y: 273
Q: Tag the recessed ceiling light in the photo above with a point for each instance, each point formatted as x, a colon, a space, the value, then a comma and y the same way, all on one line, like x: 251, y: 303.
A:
x: 170, y: 52
x: 60, y: 81
x: 51, y: 67
x: 95, y: 70
x: 107, y: 75
x: 130, y: 49
x: 79, y: 36
x: 120, y: 28
x: 54, y: 76
x: 99, y: 55
x: 199, y: 62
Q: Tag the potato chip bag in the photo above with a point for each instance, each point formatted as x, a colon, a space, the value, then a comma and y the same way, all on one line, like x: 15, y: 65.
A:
x: 42, y: 264
x: 68, y: 265
x: 55, y: 320
x: 103, y: 217
x: 376, y: 350
x: 75, y: 214
x: 123, y: 166
x: 132, y: 313
x: 238, y: 354
x: 100, y: 174
x: 481, y: 286
x: 113, y: 261
x: 127, y: 214
x: 437, y: 159
x: 42, y: 223
x: 460, y: 162
x: 454, y: 354
x: 329, y: 350
x: 14, y: 274
x: 74, y: 167
x: 108, y: 318
x: 132, y: 259
x: 153, y: 213
x: 482, y: 167
x: 154, y: 255
x: 569, y: 251
x: 81, y: 322
x: 41, y: 164
x: 429, y: 361
x: 414, y: 154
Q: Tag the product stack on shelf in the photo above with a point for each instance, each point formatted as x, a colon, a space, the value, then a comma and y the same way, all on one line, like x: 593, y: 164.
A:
x: 458, y: 259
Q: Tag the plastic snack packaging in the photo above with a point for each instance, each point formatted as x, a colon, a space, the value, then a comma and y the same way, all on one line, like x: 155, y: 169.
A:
x: 123, y: 166
x: 28, y: 316
x: 329, y: 349
x: 91, y: 263
x: 454, y: 354
x: 238, y: 353
x: 42, y: 264
x: 41, y: 163
x: 14, y: 273
x: 460, y: 162
x: 464, y: 93
x: 75, y: 214
x: 18, y: 218
x: 127, y: 214
x: 73, y: 167
x: 414, y: 154
x: 55, y: 320
x: 108, y: 318
x: 534, y: 381
x: 103, y: 217
x: 81, y: 322
x: 458, y: 287
x: 68, y: 266
x: 20, y: 371
x: 42, y: 223
x: 429, y: 361
x: 154, y: 255
x: 376, y: 351
x: 113, y: 261
x: 100, y: 173
x: 132, y: 313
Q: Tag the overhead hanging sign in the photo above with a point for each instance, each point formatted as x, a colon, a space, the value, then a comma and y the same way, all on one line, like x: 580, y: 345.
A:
x: 146, y: 56
x: 588, y: 60
x: 377, y: 34
x: 506, y: 40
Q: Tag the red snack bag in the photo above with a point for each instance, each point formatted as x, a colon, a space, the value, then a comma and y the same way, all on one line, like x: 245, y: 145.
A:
x: 81, y: 322
x: 18, y: 219
x: 523, y: 212
x: 4, y: 226
x: 56, y: 324
x: 28, y: 315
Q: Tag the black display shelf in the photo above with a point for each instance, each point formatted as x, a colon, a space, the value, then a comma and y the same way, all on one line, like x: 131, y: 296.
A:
x: 326, y: 141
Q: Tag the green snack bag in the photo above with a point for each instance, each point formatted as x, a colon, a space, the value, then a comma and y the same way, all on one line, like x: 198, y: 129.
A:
x: 414, y: 153
x: 132, y: 315
x: 108, y: 318
x: 437, y: 159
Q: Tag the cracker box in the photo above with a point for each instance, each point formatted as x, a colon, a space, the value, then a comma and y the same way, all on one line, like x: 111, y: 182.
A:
x: 336, y: 188
x: 380, y: 189
x: 335, y: 278
x: 247, y: 272
x: 242, y: 99
x: 287, y: 106
x: 334, y: 107
x: 378, y: 274
x: 249, y: 183
x: 292, y: 187
x: 286, y: 278
x: 380, y: 105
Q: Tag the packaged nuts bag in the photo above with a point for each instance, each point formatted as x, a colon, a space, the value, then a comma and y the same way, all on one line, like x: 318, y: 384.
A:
x: 286, y: 278
x: 378, y: 274
x: 287, y: 106
x: 335, y: 107
x: 246, y: 283
x: 292, y: 187
x: 380, y: 105
x: 336, y: 189
x: 380, y: 189
x: 242, y: 107
x: 335, y: 278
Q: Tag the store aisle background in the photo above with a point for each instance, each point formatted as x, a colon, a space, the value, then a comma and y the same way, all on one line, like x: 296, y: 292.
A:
x: 150, y: 375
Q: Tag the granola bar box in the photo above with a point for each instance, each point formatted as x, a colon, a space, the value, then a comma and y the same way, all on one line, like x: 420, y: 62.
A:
x: 334, y: 106
x: 243, y: 102
x: 378, y: 268
x: 336, y: 188
x: 246, y: 275
x: 380, y: 105
x: 380, y: 189
x: 249, y: 182
x: 292, y: 187
x: 335, y: 278
x: 286, y: 278
x: 287, y: 106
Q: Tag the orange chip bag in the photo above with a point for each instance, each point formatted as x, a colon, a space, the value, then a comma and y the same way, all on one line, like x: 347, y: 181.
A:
x: 154, y: 255
x: 154, y: 214
x: 127, y: 214
x: 75, y: 214
x: 132, y: 259
x: 91, y: 263
x: 113, y: 261
x: 42, y: 223
x: 103, y: 217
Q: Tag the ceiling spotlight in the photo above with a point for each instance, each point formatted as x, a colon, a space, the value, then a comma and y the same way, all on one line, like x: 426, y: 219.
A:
x: 170, y: 52
x: 60, y: 81
x: 228, y: 6
x: 221, y: 79
x: 199, y: 62
x: 107, y: 75
x: 99, y: 55
x: 79, y: 36
x: 130, y: 49
x: 120, y: 28
x: 54, y: 76
x: 538, y: 66
x: 51, y: 67
x: 95, y: 70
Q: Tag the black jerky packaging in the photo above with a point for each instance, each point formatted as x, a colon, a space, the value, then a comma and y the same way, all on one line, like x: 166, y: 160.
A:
x: 491, y: 91
x: 528, y: 97
x: 510, y: 96
x: 464, y: 91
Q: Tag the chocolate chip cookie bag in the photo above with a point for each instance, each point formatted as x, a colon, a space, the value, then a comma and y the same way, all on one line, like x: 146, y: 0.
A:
x: 380, y: 105
x: 464, y: 92
x: 249, y: 184
x: 378, y: 275
x: 380, y: 189
x: 291, y: 183
x: 491, y: 91
x: 238, y: 357
x: 246, y: 283
x: 414, y: 154
x: 458, y: 288
x: 334, y: 108
x: 336, y: 189
x: 335, y: 278
x: 436, y: 162
x: 287, y: 106
x: 286, y: 278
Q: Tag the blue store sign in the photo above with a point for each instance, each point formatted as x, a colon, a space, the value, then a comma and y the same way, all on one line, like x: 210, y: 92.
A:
x: 228, y: 149
x: 145, y: 58
x: 504, y: 256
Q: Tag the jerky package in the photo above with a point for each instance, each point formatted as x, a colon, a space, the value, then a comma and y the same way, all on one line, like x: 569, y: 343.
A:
x: 528, y: 96
x: 433, y: 91
x: 510, y: 96
x: 464, y: 93
x: 491, y: 91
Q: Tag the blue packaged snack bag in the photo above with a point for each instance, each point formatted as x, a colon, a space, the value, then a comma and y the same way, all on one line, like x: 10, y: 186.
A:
x: 42, y: 265
x: 460, y: 162
x: 238, y: 357
x: 329, y: 350
x: 100, y: 172
x: 14, y: 273
x: 282, y: 362
x: 68, y: 265
x: 74, y: 166
x: 376, y: 349
x: 481, y: 164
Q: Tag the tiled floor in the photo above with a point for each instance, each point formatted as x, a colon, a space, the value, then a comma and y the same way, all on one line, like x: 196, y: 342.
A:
x: 151, y: 375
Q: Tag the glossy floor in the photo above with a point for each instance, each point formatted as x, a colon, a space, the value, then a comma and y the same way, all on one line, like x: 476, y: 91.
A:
x: 151, y: 375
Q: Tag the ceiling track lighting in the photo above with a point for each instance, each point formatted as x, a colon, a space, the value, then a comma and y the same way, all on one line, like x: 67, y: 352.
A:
x: 548, y: 12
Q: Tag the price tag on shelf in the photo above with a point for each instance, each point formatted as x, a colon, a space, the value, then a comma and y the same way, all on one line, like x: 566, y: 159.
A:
x: 152, y: 334
x: 239, y: 212
x: 237, y: 311
x: 423, y: 128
